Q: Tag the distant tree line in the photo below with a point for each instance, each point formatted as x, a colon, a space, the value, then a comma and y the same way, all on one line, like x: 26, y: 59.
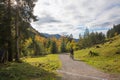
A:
x: 113, y: 31
x: 90, y: 39
x: 93, y: 38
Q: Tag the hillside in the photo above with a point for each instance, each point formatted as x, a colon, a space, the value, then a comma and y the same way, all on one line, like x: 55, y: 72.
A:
x: 105, y: 56
x: 33, y: 31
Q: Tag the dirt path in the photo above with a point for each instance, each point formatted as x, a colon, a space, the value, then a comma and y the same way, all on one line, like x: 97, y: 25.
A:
x: 78, y: 70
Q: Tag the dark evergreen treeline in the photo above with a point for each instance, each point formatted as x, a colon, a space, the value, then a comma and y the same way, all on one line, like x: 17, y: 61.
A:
x: 93, y: 38
x: 14, y: 14
x: 113, y: 31
x: 90, y: 39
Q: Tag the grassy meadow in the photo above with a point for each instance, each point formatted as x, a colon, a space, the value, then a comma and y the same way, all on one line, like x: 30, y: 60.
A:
x: 38, y: 68
x: 108, y: 55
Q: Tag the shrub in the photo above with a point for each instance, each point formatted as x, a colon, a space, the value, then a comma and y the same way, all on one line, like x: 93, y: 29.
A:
x: 91, y: 53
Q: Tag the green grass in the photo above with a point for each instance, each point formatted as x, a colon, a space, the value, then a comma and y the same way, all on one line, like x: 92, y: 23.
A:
x: 108, y: 60
x: 39, y: 68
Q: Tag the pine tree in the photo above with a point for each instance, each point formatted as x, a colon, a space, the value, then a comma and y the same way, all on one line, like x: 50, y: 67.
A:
x: 113, y: 31
x: 53, y: 47
x: 63, y: 46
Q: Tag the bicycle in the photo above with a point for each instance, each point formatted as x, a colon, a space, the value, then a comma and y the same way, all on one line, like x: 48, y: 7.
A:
x: 72, y: 56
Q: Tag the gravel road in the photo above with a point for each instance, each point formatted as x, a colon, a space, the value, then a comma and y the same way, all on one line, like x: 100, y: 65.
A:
x: 78, y: 70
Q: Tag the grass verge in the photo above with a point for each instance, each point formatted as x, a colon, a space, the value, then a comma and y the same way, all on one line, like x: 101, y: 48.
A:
x: 108, y: 59
x: 39, y: 68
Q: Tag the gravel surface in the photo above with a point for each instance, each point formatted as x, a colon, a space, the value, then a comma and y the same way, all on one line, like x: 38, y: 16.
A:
x: 78, y: 70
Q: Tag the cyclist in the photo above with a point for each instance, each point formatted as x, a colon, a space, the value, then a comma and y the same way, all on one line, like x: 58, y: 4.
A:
x: 72, y: 53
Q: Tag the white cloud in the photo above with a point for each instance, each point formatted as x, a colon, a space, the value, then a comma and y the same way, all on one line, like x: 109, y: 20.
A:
x: 65, y: 16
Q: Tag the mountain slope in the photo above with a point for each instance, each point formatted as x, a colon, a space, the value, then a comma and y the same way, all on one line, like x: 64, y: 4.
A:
x: 105, y: 56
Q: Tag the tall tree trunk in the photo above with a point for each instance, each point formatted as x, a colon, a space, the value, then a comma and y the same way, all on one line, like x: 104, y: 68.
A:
x: 17, y: 34
x: 10, y: 54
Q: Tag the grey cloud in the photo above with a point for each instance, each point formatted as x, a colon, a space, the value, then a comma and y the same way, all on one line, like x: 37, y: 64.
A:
x: 46, y: 3
x: 50, y: 25
x: 103, y: 24
x: 47, y: 19
x: 116, y: 21
x: 80, y: 28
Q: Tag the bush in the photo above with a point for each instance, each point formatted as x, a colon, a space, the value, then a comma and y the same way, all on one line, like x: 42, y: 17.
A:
x: 93, y: 53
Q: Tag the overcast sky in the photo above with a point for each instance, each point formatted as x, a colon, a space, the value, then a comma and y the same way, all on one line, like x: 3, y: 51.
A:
x: 73, y: 16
